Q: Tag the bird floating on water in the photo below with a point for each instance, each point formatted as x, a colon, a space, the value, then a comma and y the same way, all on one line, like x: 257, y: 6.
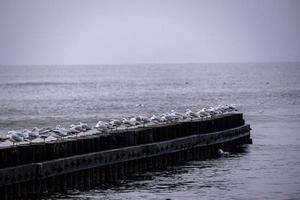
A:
x: 223, y: 153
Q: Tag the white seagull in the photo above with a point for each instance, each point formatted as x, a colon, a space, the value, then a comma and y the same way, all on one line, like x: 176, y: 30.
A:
x: 143, y: 120
x: 154, y: 119
x: 178, y: 115
x: 115, y: 123
x: 127, y: 123
x: 134, y: 121
x: 191, y: 114
x: 59, y: 132
x: 15, y: 137
x: 102, y: 126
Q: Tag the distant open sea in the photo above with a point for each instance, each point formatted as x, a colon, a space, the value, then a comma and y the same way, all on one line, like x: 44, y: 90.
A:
x: 268, y: 95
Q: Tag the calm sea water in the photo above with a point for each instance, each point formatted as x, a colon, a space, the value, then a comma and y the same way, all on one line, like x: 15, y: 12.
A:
x: 268, y: 94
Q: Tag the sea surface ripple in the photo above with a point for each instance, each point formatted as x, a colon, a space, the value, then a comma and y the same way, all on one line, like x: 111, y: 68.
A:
x: 268, y: 95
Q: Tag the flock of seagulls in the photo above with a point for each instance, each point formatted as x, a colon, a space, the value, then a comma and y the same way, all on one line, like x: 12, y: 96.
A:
x: 59, y: 132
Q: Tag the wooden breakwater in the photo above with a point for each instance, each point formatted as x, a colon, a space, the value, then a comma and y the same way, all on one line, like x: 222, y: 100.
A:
x: 31, y: 170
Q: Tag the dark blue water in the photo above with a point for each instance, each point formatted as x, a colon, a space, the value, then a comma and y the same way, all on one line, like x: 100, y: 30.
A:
x: 268, y: 94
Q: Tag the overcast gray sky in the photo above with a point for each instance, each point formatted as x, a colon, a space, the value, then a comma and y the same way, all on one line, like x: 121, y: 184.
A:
x: 165, y: 31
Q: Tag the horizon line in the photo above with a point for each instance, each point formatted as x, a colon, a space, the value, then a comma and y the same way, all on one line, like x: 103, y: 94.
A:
x: 170, y: 63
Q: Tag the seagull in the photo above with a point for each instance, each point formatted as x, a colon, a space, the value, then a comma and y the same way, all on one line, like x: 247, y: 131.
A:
x: 127, y: 123
x: 154, y: 119
x: 45, y: 133
x: 176, y: 114
x: 191, y: 114
x: 143, y: 120
x: 221, y: 109
x: 139, y: 119
x: 72, y: 130
x: 84, y: 126
x: 134, y: 121
x: 77, y: 127
x: 202, y: 113
x: 222, y: 153
x: 18, y: 133
x: 31, y: 135
x: 103, y: 126
x: 115, y: 123
x: 35, y: 130
x: 59, y: 132
x: 166, y: 118
x: 212, y: 112
x: 15, y: 137
x: 45, y: 130
x: 232, y: 108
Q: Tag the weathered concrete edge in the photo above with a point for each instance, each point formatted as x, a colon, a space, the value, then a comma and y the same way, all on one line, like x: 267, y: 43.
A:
x: 41, y: 170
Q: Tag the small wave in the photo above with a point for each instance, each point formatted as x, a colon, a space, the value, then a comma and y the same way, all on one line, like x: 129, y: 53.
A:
x: 34, y: 83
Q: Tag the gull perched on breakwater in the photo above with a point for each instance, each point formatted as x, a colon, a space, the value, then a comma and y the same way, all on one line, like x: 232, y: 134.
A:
x: 203, y: 113
x: 177, y: 115
x: 73, y: 130
x: 30, y: 135
x: 34, y: 133
x: 77, y: 127
x: 134, y: 120
x: 143, y: 120
x: 154, y: 119
x: 231, y: 108
x: 84, y: 126
x: 169, y: 117
x: 15, y: 137
x: 59, y: 132
x: 45, y: 133
x: 166, y: 118
x: 115, y: 123
x: 103, y: 126
x: 127, y: 123
x: 191, y: 114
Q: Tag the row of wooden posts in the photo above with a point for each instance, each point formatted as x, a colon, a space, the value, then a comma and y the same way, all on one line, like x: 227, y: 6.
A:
x: 104, y: 159
x: 38, y: 152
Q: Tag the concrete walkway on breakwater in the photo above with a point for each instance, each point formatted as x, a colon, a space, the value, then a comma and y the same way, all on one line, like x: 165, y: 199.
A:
x: 99, y: 159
